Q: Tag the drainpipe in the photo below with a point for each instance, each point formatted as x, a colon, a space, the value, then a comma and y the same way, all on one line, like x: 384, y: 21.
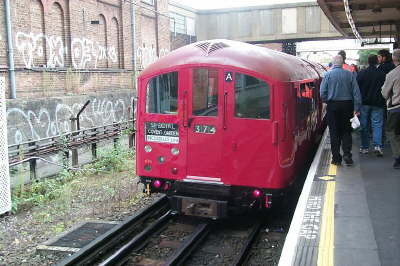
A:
x: 133, y: 28
x: 11, y: 69
x: 156, y: 16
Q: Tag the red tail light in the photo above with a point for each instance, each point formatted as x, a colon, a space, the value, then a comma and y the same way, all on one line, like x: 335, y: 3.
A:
x: 167, y: 186
x: 157, y: 184
x: 257, y: 193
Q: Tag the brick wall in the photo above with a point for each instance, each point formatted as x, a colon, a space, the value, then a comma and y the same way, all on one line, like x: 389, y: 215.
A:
x: 152, y: 44
x: 178, y: 40
x: 66, y: 47
x: 69, y: 50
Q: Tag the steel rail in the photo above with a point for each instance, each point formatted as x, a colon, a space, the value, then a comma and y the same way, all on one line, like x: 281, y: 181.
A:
x: 244, y: 252
x: 189, y: 245
x: 122, y: 255
x: 90, y: 253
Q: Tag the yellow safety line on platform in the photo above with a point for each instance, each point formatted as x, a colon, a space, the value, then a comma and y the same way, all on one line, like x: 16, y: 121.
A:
x: 326, y: 241
x: 327, y: 178
x: 332, y: 169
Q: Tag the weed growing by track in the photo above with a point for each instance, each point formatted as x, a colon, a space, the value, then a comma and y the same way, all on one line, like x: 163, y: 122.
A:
x: 65, y: 189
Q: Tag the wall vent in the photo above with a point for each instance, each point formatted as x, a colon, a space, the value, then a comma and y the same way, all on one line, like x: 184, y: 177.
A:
x: 209, y: 47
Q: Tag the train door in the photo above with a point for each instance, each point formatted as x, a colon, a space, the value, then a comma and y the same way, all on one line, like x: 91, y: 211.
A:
x: 161, y: 132
x: 204, y: 125
x: 248, y: 142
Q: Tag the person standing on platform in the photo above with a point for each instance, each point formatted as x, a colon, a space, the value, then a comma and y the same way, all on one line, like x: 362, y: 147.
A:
x: 370, y: 82
x: 386, y: 65
x: 343, y: 55
x: 391, y: 93
x: 339, y: 89
x: 385, y: 61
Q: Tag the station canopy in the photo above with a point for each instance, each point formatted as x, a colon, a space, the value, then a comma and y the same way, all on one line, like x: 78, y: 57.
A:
x: 366, y: 20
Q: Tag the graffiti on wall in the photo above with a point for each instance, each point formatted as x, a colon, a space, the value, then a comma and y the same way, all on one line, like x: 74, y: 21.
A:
x: 28, y: 124
x: 85, y: 53
x: 148, y: 55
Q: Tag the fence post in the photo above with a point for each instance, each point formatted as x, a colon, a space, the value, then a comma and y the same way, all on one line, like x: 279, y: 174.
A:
x: 94, y: 145
x: 131, y: 137
x: 75, y: 159
x: 32, y: 163
x: 116, y: 129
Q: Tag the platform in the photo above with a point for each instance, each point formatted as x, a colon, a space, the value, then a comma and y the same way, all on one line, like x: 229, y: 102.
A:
x: 347, y: 215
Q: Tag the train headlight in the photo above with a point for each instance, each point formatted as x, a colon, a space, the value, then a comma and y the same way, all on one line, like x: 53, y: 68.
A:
x: 175, y: 151
x: 147, y: 148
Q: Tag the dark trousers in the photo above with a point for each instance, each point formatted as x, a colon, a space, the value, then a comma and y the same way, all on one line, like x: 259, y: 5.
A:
x: 393, y: 132
x: 339, y: 114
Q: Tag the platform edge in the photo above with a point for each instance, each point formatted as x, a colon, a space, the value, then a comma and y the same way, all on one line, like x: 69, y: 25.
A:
x: 289, y: 247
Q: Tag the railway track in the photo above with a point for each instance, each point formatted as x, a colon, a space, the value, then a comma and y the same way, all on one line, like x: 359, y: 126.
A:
x: 156, y: 236
x: 101, y: 247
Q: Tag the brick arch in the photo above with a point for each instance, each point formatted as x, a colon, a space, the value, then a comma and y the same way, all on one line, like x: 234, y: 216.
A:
x: 115, y: 44
x: 56, y: 37
x: 102, y: 60
x: 38, y: 33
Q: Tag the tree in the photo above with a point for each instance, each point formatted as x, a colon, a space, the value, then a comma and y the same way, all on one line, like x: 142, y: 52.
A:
x: 363, y: 55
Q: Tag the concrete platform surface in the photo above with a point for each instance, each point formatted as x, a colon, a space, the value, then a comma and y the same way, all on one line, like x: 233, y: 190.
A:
x: 347, y: 215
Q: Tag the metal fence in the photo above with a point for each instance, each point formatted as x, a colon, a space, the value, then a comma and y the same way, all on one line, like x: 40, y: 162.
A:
x: 68, y: 144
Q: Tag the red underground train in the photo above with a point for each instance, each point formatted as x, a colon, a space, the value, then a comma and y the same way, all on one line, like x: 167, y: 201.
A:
x: 223, y: 124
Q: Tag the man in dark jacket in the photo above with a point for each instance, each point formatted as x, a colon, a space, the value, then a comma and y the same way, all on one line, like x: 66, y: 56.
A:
x: 385, y: 61
x: 370, y: 81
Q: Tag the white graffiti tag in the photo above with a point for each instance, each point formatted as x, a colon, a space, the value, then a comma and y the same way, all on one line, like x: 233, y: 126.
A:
x: 24, y: 125
x: 85, y: 53
x: 148, y: 55
x: 32, y: 45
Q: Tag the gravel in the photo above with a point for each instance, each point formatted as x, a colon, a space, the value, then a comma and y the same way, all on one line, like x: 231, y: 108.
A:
x: 110, y: 197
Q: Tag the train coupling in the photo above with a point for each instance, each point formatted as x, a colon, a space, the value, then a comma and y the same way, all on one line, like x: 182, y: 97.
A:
x: 214, y: 209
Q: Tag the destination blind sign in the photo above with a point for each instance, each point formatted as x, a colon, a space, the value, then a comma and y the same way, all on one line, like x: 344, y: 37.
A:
x: 162, y: 132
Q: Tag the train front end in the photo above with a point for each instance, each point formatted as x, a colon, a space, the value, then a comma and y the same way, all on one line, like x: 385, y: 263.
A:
x: 206, y: 138
x: 215, y: 126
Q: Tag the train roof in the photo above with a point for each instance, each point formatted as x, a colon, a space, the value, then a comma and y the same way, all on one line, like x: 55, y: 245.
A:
x: 270, y: 63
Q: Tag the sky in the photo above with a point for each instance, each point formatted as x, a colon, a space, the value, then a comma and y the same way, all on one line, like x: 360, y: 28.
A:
x: 214, y: 4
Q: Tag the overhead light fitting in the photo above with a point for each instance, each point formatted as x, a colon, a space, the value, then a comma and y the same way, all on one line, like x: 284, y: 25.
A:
x: 351, y: 20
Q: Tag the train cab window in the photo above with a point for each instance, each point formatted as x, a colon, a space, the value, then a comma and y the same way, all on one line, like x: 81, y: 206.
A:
x: 205, y: 92
x: 162, y: 94
x: 252, y: 97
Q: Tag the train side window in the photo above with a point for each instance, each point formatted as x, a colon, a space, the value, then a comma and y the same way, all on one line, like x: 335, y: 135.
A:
x: 305, y: 101
x: 252, y: 97
x: 162, y: 94
x: 205, y: 92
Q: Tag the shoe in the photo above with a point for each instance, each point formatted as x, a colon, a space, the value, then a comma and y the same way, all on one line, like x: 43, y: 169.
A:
x: 363, y: 151
x: 378, y: 151
x: 348, y: 161
x: 335, y: 162
x: 396, y: 164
